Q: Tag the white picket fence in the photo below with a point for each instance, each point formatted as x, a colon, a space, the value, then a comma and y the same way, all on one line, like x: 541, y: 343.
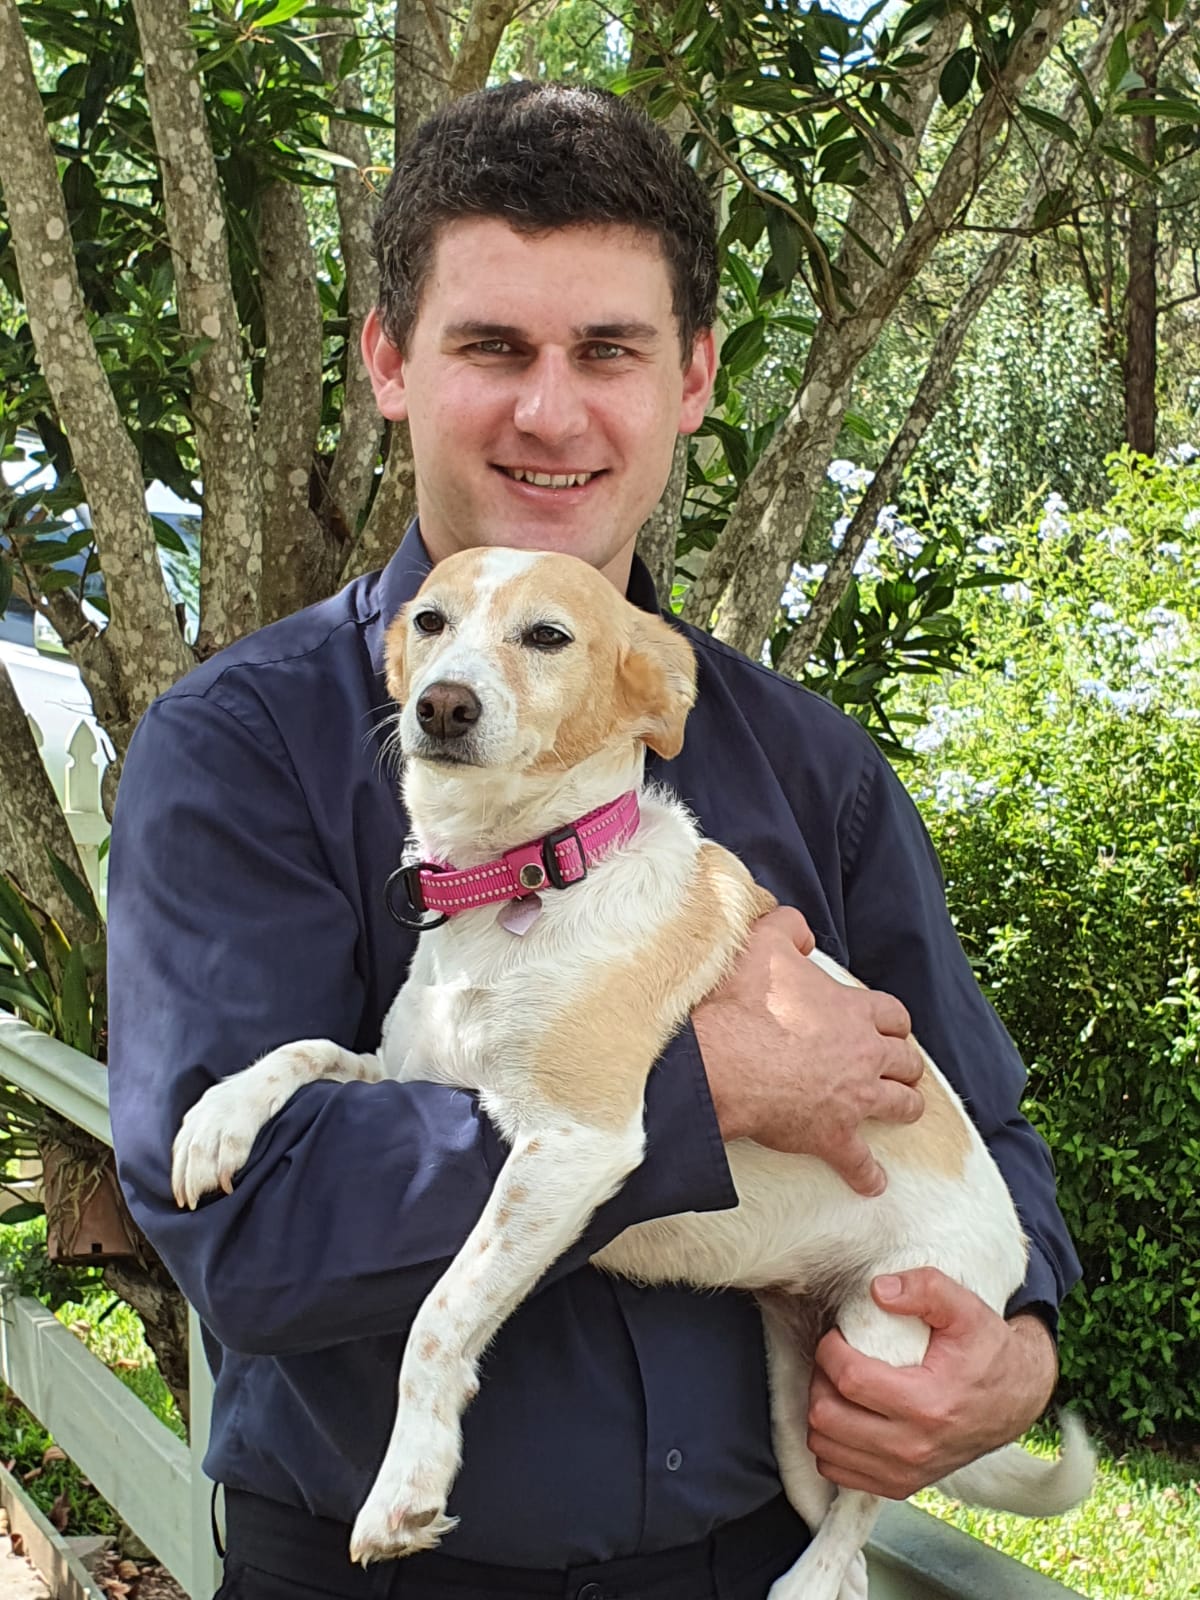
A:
x: 156, y: 1483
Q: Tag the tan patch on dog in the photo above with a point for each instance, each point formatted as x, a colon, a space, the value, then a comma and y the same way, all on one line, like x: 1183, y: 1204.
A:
x: 939, y: 1141
x: 429, y: 1348
x: 599, y: 1072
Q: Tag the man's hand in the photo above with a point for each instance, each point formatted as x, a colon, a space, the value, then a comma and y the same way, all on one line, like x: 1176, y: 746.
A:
x: 798, y: 1061
x: 894, y: 1430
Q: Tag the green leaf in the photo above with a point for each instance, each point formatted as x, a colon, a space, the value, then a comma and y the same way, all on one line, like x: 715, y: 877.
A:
x: 1052, y: 208
x: 17, y: 993
x: 956, y: 76
x: 1173, y: 109
x: 24, y: 1212
x: 76, y: 891
x: 1126, y: 158
x: 6, y: 578
x: 329, y: 156
x: 76, y: 1003
x: 15, y: 919
x: 784, y: 238
x: 744, y: 347
x: 1118, y: 62
x: 859, y: 425
x: 745, y: 280
x: 1049, y: 123
x: 282, y: 11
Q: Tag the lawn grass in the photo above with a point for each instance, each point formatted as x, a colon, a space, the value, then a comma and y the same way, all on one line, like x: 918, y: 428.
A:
x: 1137, y: 1538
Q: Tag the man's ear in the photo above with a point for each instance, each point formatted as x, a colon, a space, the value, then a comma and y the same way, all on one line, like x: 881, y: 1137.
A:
x: 394, y: 660
x: 656, y: 684
x: 385, y: 365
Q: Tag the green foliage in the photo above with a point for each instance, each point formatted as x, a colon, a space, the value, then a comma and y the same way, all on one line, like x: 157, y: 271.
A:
x: 1061, y: 792
x: 54, y: 985
x: 1035, y: 406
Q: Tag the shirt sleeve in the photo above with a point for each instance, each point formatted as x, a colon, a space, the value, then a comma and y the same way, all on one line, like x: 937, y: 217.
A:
x: 227, y: 937
x: 901, y: 939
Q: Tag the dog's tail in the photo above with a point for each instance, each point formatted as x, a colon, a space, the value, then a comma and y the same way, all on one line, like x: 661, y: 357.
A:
x: 1011, y: 1479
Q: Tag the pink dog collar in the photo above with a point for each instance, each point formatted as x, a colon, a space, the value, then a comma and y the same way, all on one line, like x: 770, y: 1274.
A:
x: 556, y: 861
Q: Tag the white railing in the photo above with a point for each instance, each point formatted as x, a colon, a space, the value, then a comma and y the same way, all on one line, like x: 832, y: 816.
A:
x: 151, y: 1478
x: 155, y: 1482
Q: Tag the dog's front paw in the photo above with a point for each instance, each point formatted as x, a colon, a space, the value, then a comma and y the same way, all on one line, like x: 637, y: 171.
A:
x: 404, y: 1512
x: 215, y: 1141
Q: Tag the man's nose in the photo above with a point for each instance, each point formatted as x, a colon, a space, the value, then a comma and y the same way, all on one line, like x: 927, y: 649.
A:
x: 550, y: 403
x: 448, y: 710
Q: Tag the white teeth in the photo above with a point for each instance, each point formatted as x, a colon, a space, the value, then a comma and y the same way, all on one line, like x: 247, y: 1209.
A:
x: 551, y: 480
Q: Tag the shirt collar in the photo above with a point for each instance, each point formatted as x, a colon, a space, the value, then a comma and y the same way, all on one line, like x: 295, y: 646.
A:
x: 410, y: 566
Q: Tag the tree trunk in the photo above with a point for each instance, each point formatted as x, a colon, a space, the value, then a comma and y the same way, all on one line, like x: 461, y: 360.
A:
x: 141, y: 652
x: 1141, y: 313
x: 231, y: 547
x: 32, y: 822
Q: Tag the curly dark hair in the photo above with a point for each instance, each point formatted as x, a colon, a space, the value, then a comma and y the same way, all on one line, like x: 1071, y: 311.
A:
x: 542, y: 156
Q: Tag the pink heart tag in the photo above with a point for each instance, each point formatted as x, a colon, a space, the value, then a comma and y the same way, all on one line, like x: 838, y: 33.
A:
x: 518, y: 916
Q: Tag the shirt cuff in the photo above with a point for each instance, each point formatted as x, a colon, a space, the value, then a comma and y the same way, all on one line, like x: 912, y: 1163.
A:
x: 1039, y: 1294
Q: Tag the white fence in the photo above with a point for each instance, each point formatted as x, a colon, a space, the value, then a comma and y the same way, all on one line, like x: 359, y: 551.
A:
x: 156, y: 1484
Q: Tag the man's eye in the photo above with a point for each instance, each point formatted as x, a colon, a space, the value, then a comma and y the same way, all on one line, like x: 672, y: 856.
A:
x: 546, y: 637
x: 429, y: 622
x: 607, y: 352
x: 492, y: 347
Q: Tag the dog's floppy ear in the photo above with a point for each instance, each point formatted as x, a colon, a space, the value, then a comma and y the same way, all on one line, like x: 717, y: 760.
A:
x: 395, y: 664
x: 656, y: 683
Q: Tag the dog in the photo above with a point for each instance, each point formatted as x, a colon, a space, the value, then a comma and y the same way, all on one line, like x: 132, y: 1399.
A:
x: 529, y: 691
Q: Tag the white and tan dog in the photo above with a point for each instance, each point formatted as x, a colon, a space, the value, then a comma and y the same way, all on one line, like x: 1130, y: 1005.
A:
x: 530, y: 690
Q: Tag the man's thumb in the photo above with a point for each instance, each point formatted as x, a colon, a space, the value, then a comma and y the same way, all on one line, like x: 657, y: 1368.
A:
x: 922, y: 1292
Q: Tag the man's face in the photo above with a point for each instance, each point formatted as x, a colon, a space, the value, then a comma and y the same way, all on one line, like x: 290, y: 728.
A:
x: 552, y: 357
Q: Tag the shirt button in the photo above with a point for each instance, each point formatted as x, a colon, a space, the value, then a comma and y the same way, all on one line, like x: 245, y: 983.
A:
x: 674, y: 1460
x: 590, y: 1591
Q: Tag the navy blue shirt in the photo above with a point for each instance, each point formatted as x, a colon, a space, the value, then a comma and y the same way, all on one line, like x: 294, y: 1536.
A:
x: 256, y: 825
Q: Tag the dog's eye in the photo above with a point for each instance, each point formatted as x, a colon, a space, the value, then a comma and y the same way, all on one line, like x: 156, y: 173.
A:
x: 546, y: 637
x: 429, y: 622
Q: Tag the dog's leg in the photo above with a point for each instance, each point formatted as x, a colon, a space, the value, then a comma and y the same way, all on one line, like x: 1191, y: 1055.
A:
x: 215, y: 1138
x: 547, y: 1190
x: 833, y: 1567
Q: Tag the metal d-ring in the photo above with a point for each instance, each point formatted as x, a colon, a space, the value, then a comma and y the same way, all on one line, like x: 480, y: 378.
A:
x: 409, y: 879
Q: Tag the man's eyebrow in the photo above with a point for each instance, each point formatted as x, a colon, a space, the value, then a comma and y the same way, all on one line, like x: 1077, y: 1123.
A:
x: 617, y: 332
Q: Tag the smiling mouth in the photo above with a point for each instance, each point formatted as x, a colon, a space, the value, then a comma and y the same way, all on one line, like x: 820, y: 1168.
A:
x: 548, y: 480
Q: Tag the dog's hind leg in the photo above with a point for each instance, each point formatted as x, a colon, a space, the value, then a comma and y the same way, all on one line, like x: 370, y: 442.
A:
x: 833, y: 1567
x: 547, y: 1190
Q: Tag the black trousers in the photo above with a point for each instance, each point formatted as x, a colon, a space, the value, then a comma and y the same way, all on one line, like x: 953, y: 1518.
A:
x: 275, y: 1552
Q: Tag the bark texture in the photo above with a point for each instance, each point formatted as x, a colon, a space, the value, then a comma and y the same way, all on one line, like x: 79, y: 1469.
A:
x: 745, y: 575
x: 290, y: 415
x: 141, y: 652
x: 393, y: 508
x: 32, y: 821
x: 1141, y: 308
x: 231, y: 557
x: 660, y: 532
x: 348, y: 487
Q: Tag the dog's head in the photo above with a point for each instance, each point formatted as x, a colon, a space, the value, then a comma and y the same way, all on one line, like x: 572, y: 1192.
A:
x: 529, y: 663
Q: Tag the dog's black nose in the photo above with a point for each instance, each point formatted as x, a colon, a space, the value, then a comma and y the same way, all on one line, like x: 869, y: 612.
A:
x: 448, y: 710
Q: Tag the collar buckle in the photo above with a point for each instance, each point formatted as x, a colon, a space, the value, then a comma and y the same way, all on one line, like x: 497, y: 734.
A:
x: 554, y: 872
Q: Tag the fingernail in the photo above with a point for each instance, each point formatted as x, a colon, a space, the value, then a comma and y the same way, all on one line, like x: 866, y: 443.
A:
x: 888, y: 1287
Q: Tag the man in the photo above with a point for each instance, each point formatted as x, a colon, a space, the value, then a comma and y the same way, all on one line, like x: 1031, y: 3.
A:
x: 548, y: 293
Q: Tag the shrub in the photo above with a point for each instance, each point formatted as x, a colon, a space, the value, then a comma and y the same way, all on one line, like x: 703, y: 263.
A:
x: 1061, y: 783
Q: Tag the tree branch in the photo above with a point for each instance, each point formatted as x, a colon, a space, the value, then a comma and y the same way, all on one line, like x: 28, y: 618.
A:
x: 746, y: 573
x: 477, y: 47
x: 231, y: 545
x: 939, y: 372
x: 290, y: 415
x: 142, y: 652
x: 660, y: 532
x: 361, y: 428
x: 32, y: 821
